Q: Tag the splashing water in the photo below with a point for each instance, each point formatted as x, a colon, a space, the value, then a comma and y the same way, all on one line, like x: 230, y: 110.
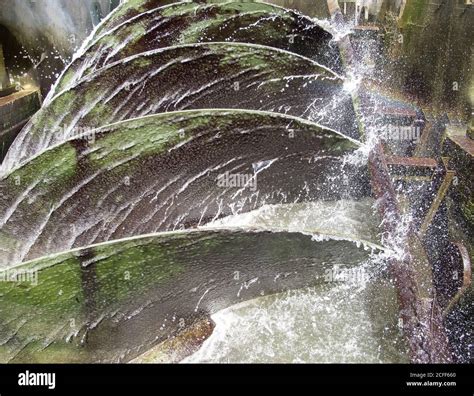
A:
x: 348, y: 319
x: 333, y: 322
x: 346, y: 322
x: 351, y: 319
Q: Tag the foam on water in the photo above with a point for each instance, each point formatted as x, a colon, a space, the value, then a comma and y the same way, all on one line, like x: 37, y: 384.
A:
x: 342, y: 322
x: 348, y: 319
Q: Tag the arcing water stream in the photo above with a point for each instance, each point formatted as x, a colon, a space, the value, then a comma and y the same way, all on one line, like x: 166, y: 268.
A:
x: 193, y: 157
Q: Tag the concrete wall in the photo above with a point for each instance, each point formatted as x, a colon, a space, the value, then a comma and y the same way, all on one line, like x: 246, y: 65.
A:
x: 15, y: 111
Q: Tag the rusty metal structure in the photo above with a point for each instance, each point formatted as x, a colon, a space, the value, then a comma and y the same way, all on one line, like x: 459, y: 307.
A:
x: 421, y: 311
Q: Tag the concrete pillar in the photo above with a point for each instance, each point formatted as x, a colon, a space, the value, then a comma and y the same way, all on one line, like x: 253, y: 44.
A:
x: 4, y: 78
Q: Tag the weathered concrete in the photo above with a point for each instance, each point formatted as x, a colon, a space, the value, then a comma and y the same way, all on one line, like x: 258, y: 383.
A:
x: 4, y: 77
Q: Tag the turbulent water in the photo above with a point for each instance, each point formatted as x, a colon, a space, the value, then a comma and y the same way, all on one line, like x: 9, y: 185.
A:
x: 341, y: 322
x: 353, y: 317
x: 353, y: 321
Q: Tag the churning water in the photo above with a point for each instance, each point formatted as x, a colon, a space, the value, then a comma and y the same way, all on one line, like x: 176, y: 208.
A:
x: 334, y: 322
x: 352, y: 317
